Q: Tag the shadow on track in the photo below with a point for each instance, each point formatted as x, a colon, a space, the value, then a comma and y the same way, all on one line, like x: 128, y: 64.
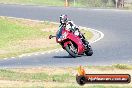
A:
x: 62, y: 56
x: 65, y: 56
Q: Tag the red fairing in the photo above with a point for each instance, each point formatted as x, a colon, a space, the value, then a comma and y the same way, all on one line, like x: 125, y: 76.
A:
x: 75, y: 39
x: 72, y: 43
x: 66, y: 43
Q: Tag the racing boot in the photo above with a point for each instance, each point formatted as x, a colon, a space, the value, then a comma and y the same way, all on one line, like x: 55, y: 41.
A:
x: 86, y: 43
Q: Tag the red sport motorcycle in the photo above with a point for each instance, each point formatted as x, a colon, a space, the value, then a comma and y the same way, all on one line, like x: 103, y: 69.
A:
x: 72, y: 43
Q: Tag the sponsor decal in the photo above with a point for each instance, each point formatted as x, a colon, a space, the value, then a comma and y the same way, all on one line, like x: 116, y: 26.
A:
x: 83, y: 78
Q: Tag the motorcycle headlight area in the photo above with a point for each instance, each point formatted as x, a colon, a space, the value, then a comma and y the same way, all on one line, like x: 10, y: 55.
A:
x: 64, y: 35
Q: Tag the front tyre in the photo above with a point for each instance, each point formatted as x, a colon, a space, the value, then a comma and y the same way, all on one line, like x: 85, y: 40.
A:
x: 72, y: 50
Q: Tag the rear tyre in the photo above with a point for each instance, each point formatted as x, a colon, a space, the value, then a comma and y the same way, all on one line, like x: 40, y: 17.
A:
x: 72, y: 50
x: 89, y: 51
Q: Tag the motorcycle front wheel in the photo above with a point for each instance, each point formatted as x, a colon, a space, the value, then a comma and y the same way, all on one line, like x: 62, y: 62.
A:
x: 72, y: 50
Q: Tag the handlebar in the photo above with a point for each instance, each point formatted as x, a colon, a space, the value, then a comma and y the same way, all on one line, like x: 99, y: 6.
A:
x: 51, y: 36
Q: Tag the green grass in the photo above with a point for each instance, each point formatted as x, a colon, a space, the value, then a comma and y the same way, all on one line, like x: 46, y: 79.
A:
x: 114, y: 66
x: 79, y: 3
x: 19, y: 76
x: 55, y: 77
x: 122, y: 66
x: 87, y: 34
x: 35, y: 2
x: 97, y: 86
x: 62, y: 77
x: 75, y: 86
x: 59, y: 77
x: 13, y: 31
x: 10, y: 32
x: 128, y: 6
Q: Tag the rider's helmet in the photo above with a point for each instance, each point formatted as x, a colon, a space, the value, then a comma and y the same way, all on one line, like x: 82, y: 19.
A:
x: 63, y: 19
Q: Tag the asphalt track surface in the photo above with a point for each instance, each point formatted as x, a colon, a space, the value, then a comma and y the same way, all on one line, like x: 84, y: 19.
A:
x: 115, y: 47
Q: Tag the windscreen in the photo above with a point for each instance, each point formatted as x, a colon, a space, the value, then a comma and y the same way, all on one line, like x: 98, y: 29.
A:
x: 59, y: 32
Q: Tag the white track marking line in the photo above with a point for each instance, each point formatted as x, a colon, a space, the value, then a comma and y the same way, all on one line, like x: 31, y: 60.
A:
x: 36, y: 54
x: 28, y: 55
x: 129, y: 61
x: 5, y: 58
x: 49, y: 51
x: 20, y: 56
x: 42, y: 53
x: 101, y: 34
x: 12, y: 57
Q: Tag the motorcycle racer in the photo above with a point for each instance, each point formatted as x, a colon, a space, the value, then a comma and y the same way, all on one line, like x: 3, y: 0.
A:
x: 70, y: 26
x: 71, y: 39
